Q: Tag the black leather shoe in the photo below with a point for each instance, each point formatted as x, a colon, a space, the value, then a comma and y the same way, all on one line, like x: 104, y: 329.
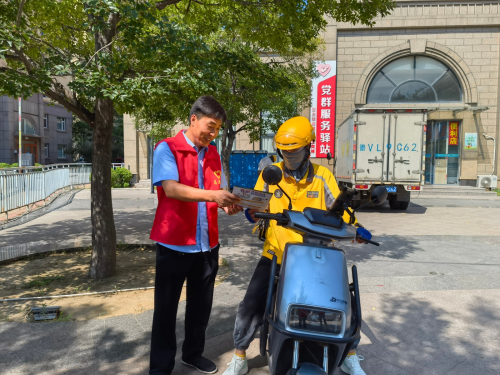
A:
x: 202, y: 364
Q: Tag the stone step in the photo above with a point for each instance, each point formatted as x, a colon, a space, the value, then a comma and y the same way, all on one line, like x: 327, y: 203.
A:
x: 454, y: 190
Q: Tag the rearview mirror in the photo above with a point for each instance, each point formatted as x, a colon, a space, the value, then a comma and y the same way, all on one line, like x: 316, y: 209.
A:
x: 329, y: 156
x: 378, y: 195
x: 272, y: 175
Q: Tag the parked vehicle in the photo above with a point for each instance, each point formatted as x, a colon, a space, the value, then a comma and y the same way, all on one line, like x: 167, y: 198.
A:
x: 313, y: 314
x: 382, y: 147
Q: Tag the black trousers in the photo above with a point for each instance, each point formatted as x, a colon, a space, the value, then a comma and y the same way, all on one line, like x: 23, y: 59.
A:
x: 172, y: 269
x: 251, y: 311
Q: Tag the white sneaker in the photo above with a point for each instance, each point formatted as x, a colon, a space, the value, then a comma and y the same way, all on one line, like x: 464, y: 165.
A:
x: 237, y: 366
x: 351, y: 365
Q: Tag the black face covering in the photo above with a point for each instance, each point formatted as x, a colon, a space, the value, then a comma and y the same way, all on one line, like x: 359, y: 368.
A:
x: 295, y: 162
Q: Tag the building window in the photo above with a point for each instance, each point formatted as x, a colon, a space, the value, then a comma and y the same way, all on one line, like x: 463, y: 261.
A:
x: 61, y: 151
x: 61, y: 123
x: 45, y: 121
x: 414, y: 79
x: 27, y: 127
x: 267, y: 143
x: 46, y: 148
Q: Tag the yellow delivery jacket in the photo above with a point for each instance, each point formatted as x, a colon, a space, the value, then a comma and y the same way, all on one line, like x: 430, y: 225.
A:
x: 317, y: 189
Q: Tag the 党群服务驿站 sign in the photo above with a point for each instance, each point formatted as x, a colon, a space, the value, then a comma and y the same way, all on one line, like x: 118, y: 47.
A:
x: 453, y: 136
x: 470, y: 141
x: 323, y: 109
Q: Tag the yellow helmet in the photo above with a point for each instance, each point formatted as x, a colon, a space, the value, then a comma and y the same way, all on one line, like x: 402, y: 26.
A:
x: 294, y: 133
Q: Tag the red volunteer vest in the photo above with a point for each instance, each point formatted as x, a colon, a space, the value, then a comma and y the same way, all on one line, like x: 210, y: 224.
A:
x: 175, y: 221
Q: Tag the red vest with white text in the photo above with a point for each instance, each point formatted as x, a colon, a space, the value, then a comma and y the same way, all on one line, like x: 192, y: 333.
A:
x: 175, y: 221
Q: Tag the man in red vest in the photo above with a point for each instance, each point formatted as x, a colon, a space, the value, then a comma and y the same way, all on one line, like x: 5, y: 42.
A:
x: 188, y: 174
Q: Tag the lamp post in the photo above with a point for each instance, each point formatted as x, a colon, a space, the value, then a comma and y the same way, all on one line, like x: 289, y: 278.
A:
x: 20, y: 164
x: 494, y: 150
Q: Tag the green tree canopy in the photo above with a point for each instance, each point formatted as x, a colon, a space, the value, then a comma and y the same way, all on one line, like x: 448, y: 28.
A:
x: 139, y: 55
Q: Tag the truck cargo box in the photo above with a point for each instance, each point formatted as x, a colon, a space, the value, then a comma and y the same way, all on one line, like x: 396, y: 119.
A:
x: 382, y: 147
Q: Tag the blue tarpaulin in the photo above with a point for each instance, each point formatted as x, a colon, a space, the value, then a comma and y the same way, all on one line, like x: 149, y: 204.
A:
x: 243, y: 167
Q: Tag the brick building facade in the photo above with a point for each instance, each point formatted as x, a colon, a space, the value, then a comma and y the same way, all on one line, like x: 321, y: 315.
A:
x: 463, y: 36
x: 46, y: 130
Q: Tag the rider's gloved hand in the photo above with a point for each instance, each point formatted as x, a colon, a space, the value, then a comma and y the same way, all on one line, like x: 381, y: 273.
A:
x: 364, y: 233
x: 249, y: 218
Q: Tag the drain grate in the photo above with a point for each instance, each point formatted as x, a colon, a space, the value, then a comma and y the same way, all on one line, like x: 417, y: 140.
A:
x: 37, y: 314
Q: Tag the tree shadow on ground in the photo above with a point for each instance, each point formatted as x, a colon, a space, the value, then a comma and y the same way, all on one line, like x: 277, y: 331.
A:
x: 243, y: 250
x: 83, y: 346
x: 35, y: 237
x: 418, y: 336
x: 408, y: 334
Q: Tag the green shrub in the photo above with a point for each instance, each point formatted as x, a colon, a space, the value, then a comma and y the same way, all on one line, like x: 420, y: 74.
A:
x: 124, y: 177
x: 114, y: 178
x: 14, y: 165
x: 4, y: 165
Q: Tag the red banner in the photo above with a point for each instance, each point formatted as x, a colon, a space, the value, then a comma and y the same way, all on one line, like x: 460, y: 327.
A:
x: 323, y: 109
x: 325, y: 118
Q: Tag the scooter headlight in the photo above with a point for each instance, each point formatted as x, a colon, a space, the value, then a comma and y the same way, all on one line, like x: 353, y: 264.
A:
x: 315, y: 320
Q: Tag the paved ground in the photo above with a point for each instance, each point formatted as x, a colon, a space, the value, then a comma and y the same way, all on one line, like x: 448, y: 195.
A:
x: 430, y: 292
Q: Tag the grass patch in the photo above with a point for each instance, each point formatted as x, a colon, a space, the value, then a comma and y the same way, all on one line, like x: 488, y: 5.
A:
x: 41, y: 282
x: 64, y: 317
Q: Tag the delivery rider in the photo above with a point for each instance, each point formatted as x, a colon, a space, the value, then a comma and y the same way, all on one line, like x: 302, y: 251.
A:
x: 308, y: 185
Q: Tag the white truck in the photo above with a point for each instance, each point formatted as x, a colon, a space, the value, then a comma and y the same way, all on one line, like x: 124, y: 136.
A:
x: 382, y: 147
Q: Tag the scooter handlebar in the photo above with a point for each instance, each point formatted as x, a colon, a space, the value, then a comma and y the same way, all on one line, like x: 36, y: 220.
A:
x: 280, y: 218
x: 264, y: 215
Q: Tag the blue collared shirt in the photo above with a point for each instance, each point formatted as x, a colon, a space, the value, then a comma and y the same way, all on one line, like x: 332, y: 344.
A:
x: 165, y: 168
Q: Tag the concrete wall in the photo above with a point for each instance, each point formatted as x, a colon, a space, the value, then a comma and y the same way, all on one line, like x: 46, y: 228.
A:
x: 135, y: 148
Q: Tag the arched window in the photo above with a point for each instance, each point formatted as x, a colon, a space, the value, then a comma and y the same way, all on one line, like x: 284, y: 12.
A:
x: 414, y: 79
x: 27, y: 127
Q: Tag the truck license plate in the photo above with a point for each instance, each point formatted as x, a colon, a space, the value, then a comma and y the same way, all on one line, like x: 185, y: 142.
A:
x: 391, y: 189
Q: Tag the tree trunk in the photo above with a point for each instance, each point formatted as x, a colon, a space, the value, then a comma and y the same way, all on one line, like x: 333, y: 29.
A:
x: 228, y: 136
x: 103, y: 262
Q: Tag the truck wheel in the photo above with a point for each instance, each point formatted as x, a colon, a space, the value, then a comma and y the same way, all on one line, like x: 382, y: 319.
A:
x: 355, y: 204
x: 403, y: 205
x: 393, y: 202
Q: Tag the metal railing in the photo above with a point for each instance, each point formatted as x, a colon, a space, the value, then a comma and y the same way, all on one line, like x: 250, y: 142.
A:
x: 22, y: 187
x: 118, y: 165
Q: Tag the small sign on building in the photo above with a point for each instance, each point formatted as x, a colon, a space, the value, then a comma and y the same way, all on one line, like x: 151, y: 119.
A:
x: 470, y: 141
x: 453, y: 138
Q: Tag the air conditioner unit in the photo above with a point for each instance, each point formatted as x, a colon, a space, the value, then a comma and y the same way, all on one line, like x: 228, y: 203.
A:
x: 487, y: 181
